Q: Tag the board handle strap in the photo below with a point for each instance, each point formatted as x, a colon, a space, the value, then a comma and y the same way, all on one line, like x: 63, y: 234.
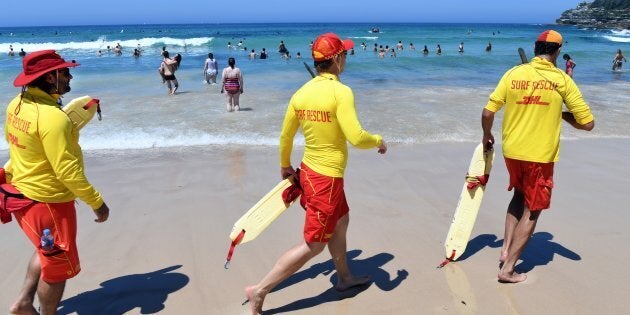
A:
x: 447, y: 260
x: 235, y: 242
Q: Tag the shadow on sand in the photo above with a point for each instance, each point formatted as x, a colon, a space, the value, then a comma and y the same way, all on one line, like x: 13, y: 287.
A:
x: 147, y: 291
x: 539, y: 251
x: 368, y: 266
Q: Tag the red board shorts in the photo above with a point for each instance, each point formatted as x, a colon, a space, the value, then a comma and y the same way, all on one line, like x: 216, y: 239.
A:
x: 62, y: 262
x: 325, y: 204
x: 534, y: 179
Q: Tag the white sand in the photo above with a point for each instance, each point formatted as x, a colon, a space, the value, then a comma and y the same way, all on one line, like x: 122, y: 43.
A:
x: 177, y: 207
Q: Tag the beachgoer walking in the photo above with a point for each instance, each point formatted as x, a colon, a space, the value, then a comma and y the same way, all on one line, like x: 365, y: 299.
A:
x: 263, y: 54
x: 569, y: 64
x: 232, y: 84
x: 324, y: 109
x: 252, y: 54
x: 533, y: 95
x: 618, y: 61
x: 167, y: 71
x: 460, y: 49
x: 211, y: 69
x: 47, y: 169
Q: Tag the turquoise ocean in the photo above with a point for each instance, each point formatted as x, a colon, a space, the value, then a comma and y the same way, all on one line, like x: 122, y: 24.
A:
x: 408, y: 99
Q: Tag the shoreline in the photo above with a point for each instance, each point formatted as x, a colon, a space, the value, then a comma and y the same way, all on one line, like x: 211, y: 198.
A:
x: 163, y: 248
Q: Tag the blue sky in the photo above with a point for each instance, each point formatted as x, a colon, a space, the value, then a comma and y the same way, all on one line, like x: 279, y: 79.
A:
x: 113, y: 12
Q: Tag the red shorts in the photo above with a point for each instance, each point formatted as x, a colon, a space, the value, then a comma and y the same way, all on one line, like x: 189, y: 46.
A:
x: 325, y: 204
x: 62, y: 262
x: 534, y: 179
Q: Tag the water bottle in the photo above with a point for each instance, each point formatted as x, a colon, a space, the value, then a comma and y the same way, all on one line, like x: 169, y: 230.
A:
x: 48, y: 241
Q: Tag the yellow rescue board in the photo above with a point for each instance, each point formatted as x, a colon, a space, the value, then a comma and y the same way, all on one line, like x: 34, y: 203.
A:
x: 265, y: 211
x: 81, y: 110
x: 469, y: 203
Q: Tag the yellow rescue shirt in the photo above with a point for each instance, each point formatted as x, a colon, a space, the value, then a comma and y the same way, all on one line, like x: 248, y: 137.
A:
x: 324, y: 109
x: 533, y: 94
x: 46, y: 159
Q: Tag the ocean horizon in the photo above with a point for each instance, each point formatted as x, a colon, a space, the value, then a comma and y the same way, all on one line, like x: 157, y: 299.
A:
x: 410, y: 98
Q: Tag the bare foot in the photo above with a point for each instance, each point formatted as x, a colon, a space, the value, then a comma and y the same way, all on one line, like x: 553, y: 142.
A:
x: 352, y: 282
x: 19, y: 308
x: 255, y: 300
x: 511, y: 277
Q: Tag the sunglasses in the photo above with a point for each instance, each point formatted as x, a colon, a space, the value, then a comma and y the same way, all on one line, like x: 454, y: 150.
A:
x: 64, y: 71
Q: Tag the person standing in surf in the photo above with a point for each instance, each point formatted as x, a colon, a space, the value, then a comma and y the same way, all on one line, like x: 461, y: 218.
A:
x: 569, y: 64
x: 210, y: 69
x: 167, y: 72
x: 618, y: 61
x: 533, y: 94
x: 324, y: 109
x: 232, y: 83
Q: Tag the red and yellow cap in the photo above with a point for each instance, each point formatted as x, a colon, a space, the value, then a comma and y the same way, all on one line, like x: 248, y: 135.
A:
x: 550, y: 36
x: 329, y: 45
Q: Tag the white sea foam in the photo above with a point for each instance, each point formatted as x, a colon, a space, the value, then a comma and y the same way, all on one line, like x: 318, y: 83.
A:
x: 623, y: 32
x: 617, y: 39
x: 103, y: 41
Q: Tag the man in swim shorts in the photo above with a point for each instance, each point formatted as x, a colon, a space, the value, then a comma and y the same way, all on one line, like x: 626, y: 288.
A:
x: 324, y: 109
x: 533, y: 94
x: 48, y: 174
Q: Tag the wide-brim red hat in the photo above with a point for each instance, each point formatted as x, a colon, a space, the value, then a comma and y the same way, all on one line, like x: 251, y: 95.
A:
x: 37, y: 63
x: 329, y: 45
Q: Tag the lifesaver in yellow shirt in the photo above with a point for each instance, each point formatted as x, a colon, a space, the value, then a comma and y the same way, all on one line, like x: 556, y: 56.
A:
x: 80, y: 111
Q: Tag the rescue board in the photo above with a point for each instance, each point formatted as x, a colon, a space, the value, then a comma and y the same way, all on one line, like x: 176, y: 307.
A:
x: 80, y: 111
x: 469, y: 203
x: 521, y: 53
x: 259, y: 216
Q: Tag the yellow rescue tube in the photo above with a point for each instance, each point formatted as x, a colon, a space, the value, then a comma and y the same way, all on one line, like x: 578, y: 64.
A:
x: 81, y: 110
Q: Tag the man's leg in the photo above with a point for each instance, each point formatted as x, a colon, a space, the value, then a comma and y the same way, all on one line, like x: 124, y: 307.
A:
x: 170, y: 87
x: 337, y: 249
x: 49, y: 295
x: 287, y: 264
x: 514, y: 212
x: 522, y: 233
x: 24, y: 303
x: 176, y: 86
